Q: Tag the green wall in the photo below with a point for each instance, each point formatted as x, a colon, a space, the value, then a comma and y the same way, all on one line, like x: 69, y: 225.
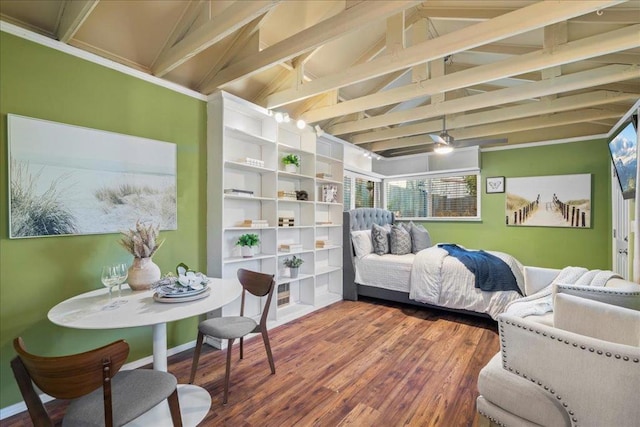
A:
x: 541, y: 246
x: 36, y: 274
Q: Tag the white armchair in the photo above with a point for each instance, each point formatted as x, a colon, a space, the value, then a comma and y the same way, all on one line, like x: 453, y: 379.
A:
x: 583, y: 371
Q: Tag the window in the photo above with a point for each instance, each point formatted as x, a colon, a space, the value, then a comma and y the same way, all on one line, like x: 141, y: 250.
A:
x: 361, y: 192
x: 437, y: 197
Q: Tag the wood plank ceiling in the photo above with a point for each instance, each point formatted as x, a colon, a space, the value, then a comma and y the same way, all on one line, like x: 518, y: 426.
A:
x: 380, y: 74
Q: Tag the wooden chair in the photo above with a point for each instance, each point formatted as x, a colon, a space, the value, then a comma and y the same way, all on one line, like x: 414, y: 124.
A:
x: 233, y: 327
x: 101, y: 395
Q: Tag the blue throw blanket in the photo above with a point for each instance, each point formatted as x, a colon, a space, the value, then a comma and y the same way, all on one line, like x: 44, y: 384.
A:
x: 491, y: 273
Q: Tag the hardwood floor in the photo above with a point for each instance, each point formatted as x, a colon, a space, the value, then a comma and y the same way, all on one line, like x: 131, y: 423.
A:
x: 365, y: 363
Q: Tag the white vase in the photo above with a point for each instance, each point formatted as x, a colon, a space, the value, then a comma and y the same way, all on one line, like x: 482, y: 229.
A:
x: 291, y: 168
x: 142, y: 274
x: 247, y: 251
x: 293, y: 272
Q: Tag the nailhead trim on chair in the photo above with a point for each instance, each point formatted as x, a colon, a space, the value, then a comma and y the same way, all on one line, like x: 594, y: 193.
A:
x: 493, y: 420
x: 600, y: 290
x: 574, y: 420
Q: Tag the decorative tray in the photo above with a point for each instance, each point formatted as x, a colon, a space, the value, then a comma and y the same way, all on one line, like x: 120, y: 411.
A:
x: 172, y: 299
x: 170, y: 291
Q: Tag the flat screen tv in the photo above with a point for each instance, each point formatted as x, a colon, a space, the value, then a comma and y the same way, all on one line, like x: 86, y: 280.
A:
x: 623, y: 146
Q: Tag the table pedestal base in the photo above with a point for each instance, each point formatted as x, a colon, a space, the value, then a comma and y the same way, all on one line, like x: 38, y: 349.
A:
x: 194, y: 407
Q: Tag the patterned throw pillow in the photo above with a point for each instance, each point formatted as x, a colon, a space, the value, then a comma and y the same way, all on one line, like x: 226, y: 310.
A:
x: 380, y: 238
x: 420, y: 238
x: 400, y: 240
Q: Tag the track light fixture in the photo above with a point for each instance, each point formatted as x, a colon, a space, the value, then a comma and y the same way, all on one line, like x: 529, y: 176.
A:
x: 282, y: 117
x: 300, y: 124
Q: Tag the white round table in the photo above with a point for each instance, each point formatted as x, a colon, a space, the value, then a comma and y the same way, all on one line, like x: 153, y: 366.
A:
x: 86, y: 311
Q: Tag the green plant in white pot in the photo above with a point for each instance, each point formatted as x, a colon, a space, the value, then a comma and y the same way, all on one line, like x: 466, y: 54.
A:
x: 291, y: 162
x: 246, y: 243
x: 294, y: 265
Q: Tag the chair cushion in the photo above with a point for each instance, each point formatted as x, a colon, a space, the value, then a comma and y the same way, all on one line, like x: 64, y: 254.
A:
x: 133, y: 393
x: 228, y: 327
x: 519, y: 396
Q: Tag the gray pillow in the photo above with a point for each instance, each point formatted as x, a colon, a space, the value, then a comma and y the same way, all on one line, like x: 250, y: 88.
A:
x: 420, y: 238
x: 400, y: 240
x: 380, y: 238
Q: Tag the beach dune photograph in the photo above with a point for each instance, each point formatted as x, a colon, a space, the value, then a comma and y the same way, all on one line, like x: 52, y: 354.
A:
x: 70, y: 180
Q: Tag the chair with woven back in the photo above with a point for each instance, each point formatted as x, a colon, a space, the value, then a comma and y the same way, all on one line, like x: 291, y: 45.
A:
x: 101, y: 394
x: 234, y: 327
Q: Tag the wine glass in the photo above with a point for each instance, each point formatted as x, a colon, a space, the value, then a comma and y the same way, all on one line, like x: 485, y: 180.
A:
x: 109, y: 279
x: 122, y: 272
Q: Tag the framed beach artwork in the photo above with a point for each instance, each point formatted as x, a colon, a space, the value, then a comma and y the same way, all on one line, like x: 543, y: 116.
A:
x: 549, y: 201
x: 70, y: 180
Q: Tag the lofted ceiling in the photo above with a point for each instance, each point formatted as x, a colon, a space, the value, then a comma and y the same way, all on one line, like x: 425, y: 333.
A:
x: 380, y: 74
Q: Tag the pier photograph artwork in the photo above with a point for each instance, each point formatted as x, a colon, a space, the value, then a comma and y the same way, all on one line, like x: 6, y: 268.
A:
x: 549, y: 201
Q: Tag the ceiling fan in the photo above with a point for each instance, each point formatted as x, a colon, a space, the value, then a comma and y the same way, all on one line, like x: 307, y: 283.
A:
x: 445, y: 143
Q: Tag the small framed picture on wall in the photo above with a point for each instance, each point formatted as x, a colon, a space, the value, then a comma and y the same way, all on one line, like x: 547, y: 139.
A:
x: 495, y: 184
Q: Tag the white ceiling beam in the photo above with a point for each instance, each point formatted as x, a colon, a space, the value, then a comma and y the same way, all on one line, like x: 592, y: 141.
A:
x: 283, y: 79
x: 378, y: 47
x: 566, y: 83
x: 420, y: 34
x: 325, y: 31
x: 249, y: 33
x: 554, y: 36
x: 231, y: 19
x: 505, y: 49
x: 566, y: 103
x: 194, y: 12
x: 557, y: 133
x: 624, y: 38
x: 517, y: 22
x: 559, y: 119
x: 395, y: 40
x: 74, y: 13
x: 610, y: 16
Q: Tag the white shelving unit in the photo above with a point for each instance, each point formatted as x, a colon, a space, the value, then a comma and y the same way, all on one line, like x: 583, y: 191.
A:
x: 245, y: 147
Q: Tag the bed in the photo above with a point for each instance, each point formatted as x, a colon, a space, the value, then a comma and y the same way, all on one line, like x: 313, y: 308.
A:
x: 428, y: 278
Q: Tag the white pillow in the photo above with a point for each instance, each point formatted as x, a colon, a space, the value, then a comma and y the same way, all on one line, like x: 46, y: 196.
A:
x: 362, y: 243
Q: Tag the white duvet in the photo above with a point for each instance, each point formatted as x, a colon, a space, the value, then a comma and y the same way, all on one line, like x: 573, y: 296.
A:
x: 442, y: 280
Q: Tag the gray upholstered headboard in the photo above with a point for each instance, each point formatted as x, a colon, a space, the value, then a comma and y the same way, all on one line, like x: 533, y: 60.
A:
x: 364, y: 218
x: 353, y: 220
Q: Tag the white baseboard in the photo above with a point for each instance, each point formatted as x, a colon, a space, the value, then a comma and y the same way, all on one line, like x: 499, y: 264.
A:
x: 22, y: 407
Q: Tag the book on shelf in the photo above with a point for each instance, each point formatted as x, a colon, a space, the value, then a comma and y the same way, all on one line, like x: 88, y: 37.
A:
x: 322, y: 243
x: 286, y: 221
x: 255, y: 223
x: 290, y: 247
x: 237, y: 192
x: 287, y: 195
x: 323, y: 175
x: 284, y: 293
x: 253, y: 162
x: 324, y: 222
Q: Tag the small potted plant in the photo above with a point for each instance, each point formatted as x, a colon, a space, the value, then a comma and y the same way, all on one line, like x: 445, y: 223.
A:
x: 247, y: 242
x: 291, y: 162
x: 294, y: 265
